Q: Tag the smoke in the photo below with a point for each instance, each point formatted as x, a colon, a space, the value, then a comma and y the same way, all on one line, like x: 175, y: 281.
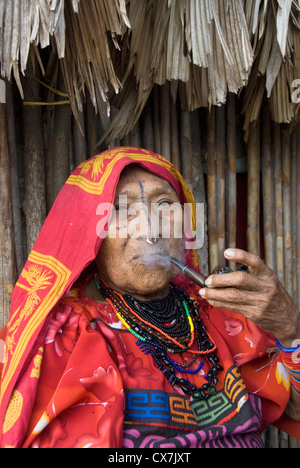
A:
x: 158, y: 255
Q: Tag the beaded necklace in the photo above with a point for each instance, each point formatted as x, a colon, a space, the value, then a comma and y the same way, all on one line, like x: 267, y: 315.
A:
x: 169, y: 325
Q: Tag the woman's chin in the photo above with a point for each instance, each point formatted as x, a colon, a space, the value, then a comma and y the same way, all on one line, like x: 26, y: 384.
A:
x: 151, y: 284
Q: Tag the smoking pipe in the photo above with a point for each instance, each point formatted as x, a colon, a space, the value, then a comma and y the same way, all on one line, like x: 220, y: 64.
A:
x: 189, y: 272
x: 193, y: 274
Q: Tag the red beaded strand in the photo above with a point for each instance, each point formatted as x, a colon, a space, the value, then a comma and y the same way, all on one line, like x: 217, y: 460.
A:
x: 181, y: 346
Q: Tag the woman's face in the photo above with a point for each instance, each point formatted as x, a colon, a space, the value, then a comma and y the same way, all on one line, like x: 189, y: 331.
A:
x: 129, y: 260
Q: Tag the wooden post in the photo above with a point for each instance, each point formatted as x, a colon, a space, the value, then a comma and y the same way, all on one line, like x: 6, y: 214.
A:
x: 298, y: 211
x: 60, y: 147
x: 267, y: 190
x: 186, y: 149
x: 125, y: 141
x: 274, y: 434
x: 92, y: 135
x: 147, y: 129
x: 134, y: 136
x: 287, y: 209
x: 156, y: 119
x: 231, y: 208
x: 198, y: 130
x: 14, y: 178
x: 79, y: 141
x: 175, y: 150
x: 165, y: 121
x: 211, y: 191
x: 34, y: 203
x: 294, y: 142
x: 253, y: 189
x: 8, y: 274
x: 221, y: 172
x: 276, y: 138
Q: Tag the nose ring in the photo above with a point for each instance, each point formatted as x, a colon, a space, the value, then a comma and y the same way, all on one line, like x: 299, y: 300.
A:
x: 153, y: 240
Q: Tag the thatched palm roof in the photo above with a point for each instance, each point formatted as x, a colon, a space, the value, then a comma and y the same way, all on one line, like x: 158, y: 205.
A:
x: 119, y: 49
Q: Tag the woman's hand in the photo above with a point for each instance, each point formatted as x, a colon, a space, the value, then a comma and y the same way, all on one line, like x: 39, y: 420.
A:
x: 256, y: 294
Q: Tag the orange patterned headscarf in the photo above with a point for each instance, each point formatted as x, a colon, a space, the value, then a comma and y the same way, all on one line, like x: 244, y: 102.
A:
x: 67, y: 244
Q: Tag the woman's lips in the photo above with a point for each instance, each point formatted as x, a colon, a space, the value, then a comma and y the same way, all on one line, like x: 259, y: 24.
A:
x: 153, y: 260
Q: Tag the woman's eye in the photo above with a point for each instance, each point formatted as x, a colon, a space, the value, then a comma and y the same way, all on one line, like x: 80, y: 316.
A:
x: 164, y: 203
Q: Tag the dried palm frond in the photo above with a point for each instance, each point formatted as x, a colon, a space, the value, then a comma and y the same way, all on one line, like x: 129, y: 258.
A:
x: 119, y: 49
x: 80, y: 30
x: 26, y: 22
x: 203, y: 45
x: 274, y: 25
x: 87, y: 60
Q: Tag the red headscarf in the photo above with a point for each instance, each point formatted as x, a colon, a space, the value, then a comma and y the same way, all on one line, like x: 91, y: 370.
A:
x: 66, y: 245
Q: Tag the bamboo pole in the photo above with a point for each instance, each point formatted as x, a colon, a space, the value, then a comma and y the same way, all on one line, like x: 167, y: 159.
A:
x: 274, y: 435
x: 92, y: 134
x: 198, y: 130
x: 270, y: 437
x: 8, y: 274
x: 165, y: 121
x: 79, y: 141
x: 293, y: 442
x: 186, y: 148
x: 147, y: 127
x: 298, y: 211
x: 34, y: 203
x: 284, y: 440
x: 61, y: 138
x: 105, y: 123
x: 175, y: 149
x: 211, y: 191
x: 125, y: 141
x: 134, y: 136
x: 156, y: 119
x: 267, y: 190
x: 221, y: 172
x: 15, y: 192
x: 276, y: 138
x: 48, y: 119
x: 253, y: 190
x: 231, y: 197
x: 294, y: 213
x: 287, y: 212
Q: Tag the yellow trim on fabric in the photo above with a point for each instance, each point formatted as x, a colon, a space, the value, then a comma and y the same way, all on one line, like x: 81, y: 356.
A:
x: 86, y: 185
x: 97, y: 188
x: 27, y: 288
x: 62, y: 276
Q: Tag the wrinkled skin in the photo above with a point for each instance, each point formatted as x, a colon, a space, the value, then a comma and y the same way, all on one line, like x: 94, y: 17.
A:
x: 132, y: 265
x: 260, y: 297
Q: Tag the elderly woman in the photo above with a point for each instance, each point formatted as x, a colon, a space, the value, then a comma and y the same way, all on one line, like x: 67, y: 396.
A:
x: 108, y: 345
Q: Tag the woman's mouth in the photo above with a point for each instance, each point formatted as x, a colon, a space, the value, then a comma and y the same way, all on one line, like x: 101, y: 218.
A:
x: 153, y: 260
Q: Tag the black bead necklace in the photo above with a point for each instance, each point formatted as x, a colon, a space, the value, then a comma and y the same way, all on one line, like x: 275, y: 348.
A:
x: 168, y: 314
x: 165, y: 326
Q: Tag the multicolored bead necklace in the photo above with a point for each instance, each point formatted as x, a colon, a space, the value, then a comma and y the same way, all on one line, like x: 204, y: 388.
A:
x: 169, y: 325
